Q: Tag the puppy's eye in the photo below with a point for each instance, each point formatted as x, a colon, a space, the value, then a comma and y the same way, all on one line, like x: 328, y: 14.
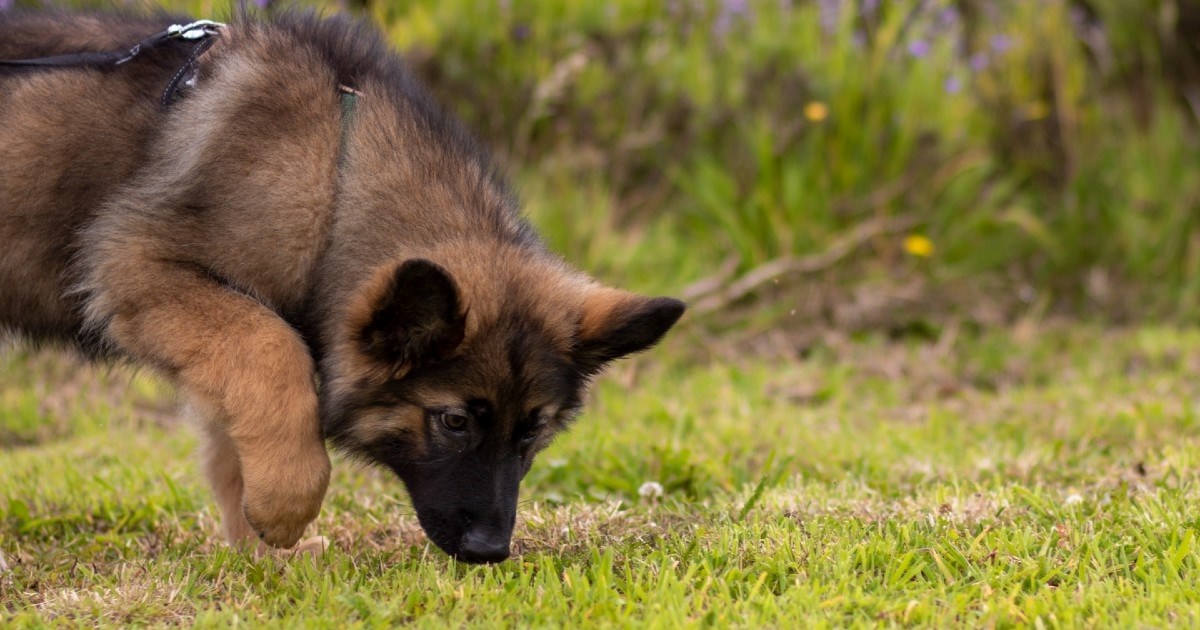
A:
x: 453, y: 421
x: 531, y: 435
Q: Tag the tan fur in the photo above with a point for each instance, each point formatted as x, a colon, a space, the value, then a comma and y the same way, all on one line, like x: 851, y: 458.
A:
x: 240, y: 359
x: 374, y: 425
x: 224, y: 472
x: 600, y: 306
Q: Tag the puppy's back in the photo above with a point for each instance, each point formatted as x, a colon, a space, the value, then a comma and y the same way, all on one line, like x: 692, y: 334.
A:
x: 68, y: 138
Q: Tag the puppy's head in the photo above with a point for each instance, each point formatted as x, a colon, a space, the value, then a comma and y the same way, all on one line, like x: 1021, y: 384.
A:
x: 456, y: 376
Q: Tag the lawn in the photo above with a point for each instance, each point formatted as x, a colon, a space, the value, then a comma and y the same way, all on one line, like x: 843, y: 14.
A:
x: 1046, y: 475
x: 926, y: 243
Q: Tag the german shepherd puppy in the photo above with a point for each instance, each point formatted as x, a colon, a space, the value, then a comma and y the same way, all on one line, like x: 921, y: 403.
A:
x: 304, y: 271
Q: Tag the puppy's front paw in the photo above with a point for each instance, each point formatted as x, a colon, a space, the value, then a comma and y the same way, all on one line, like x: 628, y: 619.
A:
x: 284, y: 494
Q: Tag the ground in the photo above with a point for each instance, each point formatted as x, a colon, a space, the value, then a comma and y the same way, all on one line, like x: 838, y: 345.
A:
x: 1043, y: 475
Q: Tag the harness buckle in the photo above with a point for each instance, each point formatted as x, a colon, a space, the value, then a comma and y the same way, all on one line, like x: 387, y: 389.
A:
x: 196, y: 30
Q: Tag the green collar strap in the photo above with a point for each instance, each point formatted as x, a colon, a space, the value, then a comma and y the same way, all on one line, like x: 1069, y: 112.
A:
x: 349, y: 98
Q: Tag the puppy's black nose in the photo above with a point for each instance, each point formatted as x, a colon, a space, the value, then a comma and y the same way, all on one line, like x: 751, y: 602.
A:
x: 483, y: 546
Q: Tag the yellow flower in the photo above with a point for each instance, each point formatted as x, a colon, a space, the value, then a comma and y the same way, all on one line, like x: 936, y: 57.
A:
x: 816, y: 111
x: 918, y: 245
x: 1037, y: 110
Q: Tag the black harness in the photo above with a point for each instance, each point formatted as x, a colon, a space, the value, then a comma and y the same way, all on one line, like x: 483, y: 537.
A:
x: 199, y: 34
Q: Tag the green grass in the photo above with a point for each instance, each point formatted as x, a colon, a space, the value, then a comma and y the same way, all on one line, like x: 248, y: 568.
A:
x: 987, y: 479
x: 939, y: 472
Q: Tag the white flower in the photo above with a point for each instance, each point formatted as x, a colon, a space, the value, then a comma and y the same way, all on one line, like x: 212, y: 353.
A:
x: 1072, y: 499
x: 650, y: 490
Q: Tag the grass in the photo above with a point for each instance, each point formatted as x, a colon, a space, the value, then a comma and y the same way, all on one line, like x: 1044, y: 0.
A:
x: 986, y: 479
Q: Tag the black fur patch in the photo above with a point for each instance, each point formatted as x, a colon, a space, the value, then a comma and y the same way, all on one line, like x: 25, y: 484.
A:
x: 633, y: 331
x: 419, y: 319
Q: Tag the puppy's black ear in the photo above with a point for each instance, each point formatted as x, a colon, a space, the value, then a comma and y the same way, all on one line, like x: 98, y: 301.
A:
x: 418, y: 319
x: 618, y: 323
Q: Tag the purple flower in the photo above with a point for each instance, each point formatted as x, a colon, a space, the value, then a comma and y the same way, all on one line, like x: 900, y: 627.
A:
x: 5, y: 4
x: 918, y: 48
x: 1079, y: 18
x: 731, y: 10
x: 953, y: 85
x: 979, y: 62
x: 948, y: 17
x: 828, y: 13
x: 736, y: 7
x: 869, y: 7
x: 1001, y: 43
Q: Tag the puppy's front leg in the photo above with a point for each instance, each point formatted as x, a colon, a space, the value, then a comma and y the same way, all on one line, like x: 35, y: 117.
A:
x: 237, y: 357
x: 224, y: 472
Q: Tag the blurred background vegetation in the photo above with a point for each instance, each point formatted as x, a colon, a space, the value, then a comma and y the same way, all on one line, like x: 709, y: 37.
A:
x: 846, y: 164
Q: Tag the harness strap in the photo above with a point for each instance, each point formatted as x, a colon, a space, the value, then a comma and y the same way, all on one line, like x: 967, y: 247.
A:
x: 198, y: 32
x: 187, y: 72
x: 349, y: 100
